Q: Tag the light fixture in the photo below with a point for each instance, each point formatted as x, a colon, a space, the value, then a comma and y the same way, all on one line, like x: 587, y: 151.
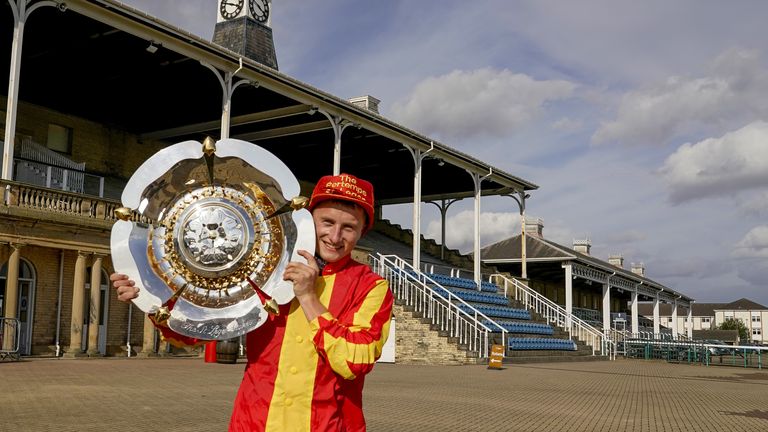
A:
x: 152, y: 48
x: 440, y: 163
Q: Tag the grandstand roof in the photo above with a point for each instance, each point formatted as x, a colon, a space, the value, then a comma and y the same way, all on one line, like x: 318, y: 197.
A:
x: 91, y: 61
x: 539, y: 249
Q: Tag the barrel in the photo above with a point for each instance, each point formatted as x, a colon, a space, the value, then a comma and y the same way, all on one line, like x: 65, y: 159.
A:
x: 227, y: 351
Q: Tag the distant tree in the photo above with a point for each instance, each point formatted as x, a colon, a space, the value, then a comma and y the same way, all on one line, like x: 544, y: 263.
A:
x: 736, y: 324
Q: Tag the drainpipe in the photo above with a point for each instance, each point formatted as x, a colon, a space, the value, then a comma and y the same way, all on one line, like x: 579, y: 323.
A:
x: 58, y: 303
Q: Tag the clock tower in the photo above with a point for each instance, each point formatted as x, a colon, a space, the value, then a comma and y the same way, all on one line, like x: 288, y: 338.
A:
x: 244, y: 26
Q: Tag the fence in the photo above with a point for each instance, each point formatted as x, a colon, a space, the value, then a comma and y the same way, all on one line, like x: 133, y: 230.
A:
x: 694, y: 352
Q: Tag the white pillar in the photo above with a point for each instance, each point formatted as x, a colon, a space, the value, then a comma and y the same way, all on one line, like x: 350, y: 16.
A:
x: 477, y: 180
x: 476, y: 231
x: 417, y: 158
x: 656, y: 325
x: 607, y: 306
x: 674, y: 319
x: 689, y: 331
x: 13, y: 91
x: 635, y: 313
x: 568, y: 267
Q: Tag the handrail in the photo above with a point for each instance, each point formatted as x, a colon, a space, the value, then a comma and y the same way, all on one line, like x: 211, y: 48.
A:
x: 434, y: 305
x: 31, y: 150
x: 453, y: 298
x: 554, y: 313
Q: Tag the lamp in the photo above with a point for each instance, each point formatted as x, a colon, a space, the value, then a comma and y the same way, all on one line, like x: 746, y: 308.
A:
x: 152, y: 48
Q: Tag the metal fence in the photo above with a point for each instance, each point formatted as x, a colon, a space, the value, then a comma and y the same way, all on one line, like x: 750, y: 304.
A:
x: 695, y: 352
x: 9, y: 338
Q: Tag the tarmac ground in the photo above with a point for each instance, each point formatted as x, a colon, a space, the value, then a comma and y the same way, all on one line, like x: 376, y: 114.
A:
x: 187, y: 394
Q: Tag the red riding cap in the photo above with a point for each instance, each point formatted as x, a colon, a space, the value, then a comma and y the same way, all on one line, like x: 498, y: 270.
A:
x: 345, y: 187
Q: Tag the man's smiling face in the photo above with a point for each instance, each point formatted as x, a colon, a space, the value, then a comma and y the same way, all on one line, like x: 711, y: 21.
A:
x: 338, y: 227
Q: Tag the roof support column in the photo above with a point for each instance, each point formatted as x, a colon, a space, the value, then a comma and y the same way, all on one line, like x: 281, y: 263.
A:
x: 674, y: 319
x: 607, y: 307
x: 520, y: 200
x: 689, y: 330
x: 568, y: 267
x: 418, y: 157
x: 443, y: 207
x: 20, y: 15
x: 227, y: 89
x: 656, y: 326
x: 477, y: 180
x: 338, y: 124
x: 635, y: 313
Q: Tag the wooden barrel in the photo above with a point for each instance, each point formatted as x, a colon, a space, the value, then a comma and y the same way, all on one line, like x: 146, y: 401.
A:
x: 227, y: 351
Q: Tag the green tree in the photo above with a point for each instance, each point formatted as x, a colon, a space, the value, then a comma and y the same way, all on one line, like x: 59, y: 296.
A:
x: 736, y: 324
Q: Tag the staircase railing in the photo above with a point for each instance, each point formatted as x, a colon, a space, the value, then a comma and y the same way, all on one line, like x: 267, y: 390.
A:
x: 39, y: 165
x: 554, y: 313
x: 28, y: 149
x: 442, y: 309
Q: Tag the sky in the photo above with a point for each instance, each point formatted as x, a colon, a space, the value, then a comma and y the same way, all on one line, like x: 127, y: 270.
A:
x: 645, y: 123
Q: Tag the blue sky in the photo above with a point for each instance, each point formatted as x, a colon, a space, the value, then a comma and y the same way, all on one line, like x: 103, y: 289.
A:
x: 644, y: 123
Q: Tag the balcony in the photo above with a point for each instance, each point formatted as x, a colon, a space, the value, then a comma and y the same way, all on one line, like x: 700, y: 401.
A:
x: 30, y: 201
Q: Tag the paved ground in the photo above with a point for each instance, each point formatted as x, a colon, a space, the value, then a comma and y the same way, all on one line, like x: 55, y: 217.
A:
x: 190, y: 395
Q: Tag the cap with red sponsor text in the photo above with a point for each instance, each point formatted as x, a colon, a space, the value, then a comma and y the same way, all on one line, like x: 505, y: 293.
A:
x: 345, y: 187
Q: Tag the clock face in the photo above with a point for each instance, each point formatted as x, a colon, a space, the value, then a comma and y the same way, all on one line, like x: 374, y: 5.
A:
x: 231, y: 8
x: 259, y: 9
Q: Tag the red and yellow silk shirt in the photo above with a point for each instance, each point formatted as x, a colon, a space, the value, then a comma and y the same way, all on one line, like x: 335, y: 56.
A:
x: 308, y: 376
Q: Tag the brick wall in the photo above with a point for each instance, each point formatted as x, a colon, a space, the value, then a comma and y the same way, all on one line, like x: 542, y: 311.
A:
x: 105, y: 150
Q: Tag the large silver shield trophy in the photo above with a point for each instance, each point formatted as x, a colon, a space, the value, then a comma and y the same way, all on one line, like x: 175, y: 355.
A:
x: 206, y: 232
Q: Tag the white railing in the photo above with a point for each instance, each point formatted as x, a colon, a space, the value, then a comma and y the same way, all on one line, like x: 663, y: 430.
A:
x: 41, y: 166
x: 557, y: 315
x: 30, y: 150
x: 443, y: 309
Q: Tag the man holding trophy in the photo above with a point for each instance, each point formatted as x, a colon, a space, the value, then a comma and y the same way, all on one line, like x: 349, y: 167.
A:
x: 307, y: 363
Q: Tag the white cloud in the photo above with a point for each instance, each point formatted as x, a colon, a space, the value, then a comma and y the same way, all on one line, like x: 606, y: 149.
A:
x: 459, y: 229
x: 733, y: 92
x: 566, y: 124
x: 715, y: 166
x: 483, y: 102
x: 754, y: 244
x: 755, y: 205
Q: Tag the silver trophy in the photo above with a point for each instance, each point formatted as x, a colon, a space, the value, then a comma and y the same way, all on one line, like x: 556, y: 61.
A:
x: 206, y: 232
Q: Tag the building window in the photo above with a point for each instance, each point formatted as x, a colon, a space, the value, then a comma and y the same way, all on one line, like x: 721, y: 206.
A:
x: 755, y: 318
x: 756, y: 332
x: 706, y: 320
x: 59, y: 138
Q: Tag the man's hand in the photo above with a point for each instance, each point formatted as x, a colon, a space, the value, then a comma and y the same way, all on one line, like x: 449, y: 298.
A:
x: 126, y: 291
x: 303, y: 277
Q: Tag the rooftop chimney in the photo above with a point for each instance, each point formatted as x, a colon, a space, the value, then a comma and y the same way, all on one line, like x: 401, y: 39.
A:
x: 582, y: 246
x: 616, y: 260
x: 638, y: 269
x: 366, y: 102
x: 534, y: 227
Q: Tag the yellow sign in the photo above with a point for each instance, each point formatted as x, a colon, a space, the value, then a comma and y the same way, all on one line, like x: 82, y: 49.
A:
x: 497, y: 356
